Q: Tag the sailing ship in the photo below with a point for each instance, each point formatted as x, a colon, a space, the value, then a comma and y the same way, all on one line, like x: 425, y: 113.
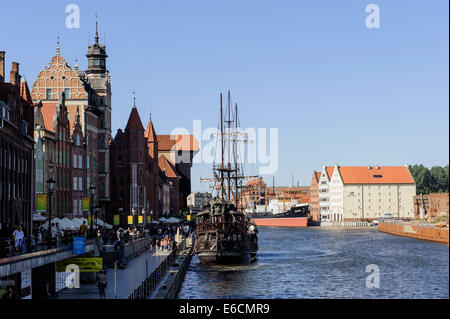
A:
x: 225, y: 234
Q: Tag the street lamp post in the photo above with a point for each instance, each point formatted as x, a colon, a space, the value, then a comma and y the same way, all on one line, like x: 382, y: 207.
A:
x: 133, y: 212
x: 92, y: 190
x: 50, y: 185
x: 120, y: 216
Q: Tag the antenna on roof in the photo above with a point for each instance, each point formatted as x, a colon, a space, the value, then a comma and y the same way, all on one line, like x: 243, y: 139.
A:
x: 134, y: 98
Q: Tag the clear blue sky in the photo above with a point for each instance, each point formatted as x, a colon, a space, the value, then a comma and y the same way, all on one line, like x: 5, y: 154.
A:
x: 337, y: 91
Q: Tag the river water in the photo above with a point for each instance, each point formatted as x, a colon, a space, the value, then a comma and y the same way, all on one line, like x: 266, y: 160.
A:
x: 323, y: 262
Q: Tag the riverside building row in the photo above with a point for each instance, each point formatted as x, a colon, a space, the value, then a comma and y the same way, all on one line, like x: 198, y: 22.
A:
x: 62, y: 130
x: 355, y: 193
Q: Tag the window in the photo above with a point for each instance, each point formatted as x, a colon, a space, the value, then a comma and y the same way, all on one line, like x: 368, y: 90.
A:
x: 74, y: 161
x: 4, y: 111
x: 67, y: 93
x: 75, y: 183
x: 78, y: 140
x: 80, y: 161
x: 75, y: 205
x: 80, y: 183
x: 48, y: 94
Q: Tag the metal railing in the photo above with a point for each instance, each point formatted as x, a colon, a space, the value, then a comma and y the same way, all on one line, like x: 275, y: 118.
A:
x: 150, y: 283
x: 11, y: 248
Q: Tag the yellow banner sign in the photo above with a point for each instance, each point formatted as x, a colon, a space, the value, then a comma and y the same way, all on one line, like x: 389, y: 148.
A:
x: 116, y: 219
x: 130, y: 219
x: 86, y: 204
x: 86, y: 264
x: 149, y: 219
x: 41, y: 202
x: 140, y: 219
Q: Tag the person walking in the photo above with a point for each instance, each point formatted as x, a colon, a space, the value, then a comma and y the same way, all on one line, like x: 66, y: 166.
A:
x: 101, y: 278
x: 83, y: 228
x: 59, y: 234
x: 18, y: 237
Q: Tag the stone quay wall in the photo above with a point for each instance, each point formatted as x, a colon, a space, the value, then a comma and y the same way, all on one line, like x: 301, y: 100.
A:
x: 407, y: 229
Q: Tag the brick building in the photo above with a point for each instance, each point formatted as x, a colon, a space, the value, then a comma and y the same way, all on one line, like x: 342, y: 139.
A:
x: 314, y: 209
x: 16, y: 150
x: 88, y: 96
x: 179, y: 150
x: 254, y: 193
x: 430, y: 205
x: 130, y: 173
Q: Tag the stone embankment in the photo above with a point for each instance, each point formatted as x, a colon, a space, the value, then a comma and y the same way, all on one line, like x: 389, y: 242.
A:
x: 171, y: 283
x: 415, y: 230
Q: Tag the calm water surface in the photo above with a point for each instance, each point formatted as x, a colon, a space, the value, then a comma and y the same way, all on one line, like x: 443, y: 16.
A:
x: 326, y: 263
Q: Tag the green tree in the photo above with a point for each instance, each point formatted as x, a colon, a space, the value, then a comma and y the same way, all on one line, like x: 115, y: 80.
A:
x: 430, y: 181
x: 440, y: 179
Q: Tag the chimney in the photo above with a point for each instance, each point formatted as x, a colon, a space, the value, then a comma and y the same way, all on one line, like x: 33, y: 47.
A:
x: 2, y: 66
x: 14, y: 77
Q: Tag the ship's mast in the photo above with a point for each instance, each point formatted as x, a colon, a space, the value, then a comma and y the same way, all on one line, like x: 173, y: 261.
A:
x: 236, y: 156
x: 228, y: 146
x: 232, y: 178
x: 221, y: 148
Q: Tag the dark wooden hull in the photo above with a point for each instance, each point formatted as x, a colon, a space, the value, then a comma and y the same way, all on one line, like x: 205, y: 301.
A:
x: 226, y: 258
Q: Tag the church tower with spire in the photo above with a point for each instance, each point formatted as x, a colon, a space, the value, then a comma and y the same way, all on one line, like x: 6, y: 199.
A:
x: 97, y: 76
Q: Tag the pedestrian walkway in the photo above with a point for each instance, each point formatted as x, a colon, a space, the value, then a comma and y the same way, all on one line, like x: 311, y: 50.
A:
x: 127, y: 279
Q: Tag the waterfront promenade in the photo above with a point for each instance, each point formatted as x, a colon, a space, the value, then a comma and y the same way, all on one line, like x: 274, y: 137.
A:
x: 127, y: 279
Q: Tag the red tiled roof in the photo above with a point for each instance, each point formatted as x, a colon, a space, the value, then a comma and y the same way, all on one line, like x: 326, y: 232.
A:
x: 382, y: 175
x: 317, y: 175
x: 134, y: 121
x: 255, y: 181
x: 167, y: 167
x: 48, y: 112
x: 150, y: 132
x: 25, y: 92
x: 177, y: 143
x: 330, y: 170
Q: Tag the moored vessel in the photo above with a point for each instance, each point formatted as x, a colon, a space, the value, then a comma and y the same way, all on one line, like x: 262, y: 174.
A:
x: 225, y: 234
x: 296, y: 216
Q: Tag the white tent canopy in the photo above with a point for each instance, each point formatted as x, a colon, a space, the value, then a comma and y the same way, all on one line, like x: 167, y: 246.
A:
x: 54, y: 221
x: 163, y: 220
x: 38, y: 217
x: 173, y: 220
x: 103, y: 224
x: 75, y: 223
